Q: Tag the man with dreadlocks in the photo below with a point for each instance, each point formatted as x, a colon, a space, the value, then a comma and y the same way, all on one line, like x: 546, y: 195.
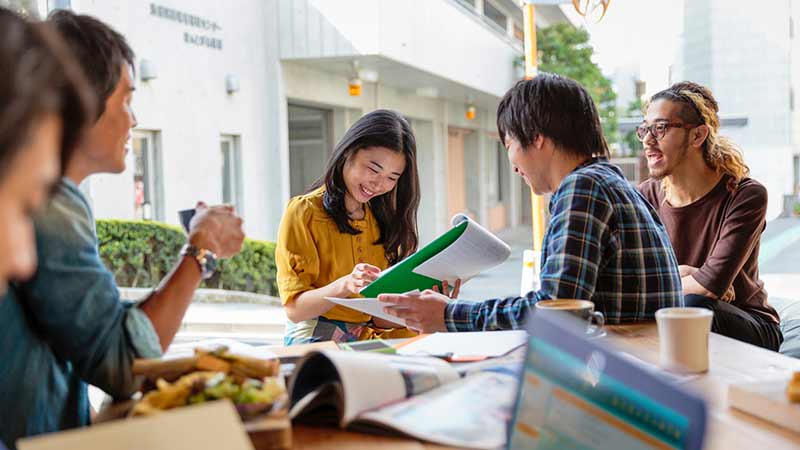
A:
x: 713, y: 212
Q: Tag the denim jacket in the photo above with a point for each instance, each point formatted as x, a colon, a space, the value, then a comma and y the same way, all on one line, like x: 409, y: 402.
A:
x: 66, y: 328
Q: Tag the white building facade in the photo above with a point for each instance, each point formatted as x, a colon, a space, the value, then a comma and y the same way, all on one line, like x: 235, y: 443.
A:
x: 749, y: 56
x: 243, y: 101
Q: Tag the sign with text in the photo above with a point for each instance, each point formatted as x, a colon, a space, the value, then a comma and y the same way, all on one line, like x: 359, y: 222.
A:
x: 193, y: 21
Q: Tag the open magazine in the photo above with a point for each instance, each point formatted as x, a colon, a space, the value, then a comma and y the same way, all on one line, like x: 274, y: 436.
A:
x: 421, y: 397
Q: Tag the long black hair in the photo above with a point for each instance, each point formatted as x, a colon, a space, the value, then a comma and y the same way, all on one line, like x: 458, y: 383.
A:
x: 396, y: 210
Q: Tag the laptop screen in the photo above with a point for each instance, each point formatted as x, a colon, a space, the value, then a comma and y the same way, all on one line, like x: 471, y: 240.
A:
x: 577, y: 394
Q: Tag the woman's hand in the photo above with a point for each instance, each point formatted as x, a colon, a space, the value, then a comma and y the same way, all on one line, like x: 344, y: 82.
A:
x: 446, y: 289
x: 362, y: 275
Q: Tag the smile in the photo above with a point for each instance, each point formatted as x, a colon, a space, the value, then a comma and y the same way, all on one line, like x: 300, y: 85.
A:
x: 654, y: 156
x: 365, y: 191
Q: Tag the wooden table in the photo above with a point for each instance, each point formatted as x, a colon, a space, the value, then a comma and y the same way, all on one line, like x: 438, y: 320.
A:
x: 730, y: 361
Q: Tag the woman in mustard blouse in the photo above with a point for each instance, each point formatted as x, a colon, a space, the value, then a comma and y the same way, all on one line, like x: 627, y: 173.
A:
x: 358, y: 219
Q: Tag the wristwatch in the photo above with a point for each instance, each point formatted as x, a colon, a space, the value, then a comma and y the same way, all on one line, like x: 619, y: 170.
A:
x: 205, y: 258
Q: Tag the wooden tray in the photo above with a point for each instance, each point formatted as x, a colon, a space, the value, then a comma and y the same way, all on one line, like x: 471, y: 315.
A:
x: 272, y: 432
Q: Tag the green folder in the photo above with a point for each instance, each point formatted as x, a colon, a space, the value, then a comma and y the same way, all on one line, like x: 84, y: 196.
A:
x: 400, y: 278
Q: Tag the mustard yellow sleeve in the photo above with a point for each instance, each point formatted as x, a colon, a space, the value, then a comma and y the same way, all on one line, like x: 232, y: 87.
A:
x: 296, y: 255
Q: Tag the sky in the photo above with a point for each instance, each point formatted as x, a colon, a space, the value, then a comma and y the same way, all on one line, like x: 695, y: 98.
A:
x: 640, y: 35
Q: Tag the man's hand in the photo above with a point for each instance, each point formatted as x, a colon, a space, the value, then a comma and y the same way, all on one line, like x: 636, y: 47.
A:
x: 423, y: 313
x: 691, y: 286
x: 216, y: 228
x: 685, y: 270
x: 729, y: 296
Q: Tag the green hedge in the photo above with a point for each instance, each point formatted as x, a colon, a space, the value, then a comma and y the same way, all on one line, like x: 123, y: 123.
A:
x: 140, y: 254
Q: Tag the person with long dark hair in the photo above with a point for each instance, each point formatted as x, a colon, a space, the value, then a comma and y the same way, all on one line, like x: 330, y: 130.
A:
x: 358, y: 219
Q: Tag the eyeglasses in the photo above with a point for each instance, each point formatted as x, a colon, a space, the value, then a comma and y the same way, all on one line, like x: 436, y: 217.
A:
x: 658, y: 130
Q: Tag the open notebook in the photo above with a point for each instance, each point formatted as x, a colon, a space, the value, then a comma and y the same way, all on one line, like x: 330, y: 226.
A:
x: 464, y: 251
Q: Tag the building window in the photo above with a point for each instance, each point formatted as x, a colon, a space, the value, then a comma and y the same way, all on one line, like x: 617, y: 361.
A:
x: 470, y: 3
x: 796, y: 174
x: 519, y: 33
x: 309, y: 146
x: 231, y: 171
x: 147, y: 196
x: 503, y: 174
x: 495, y: 15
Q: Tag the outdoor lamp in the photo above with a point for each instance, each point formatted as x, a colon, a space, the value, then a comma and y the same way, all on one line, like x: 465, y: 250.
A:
x: 355, y: 87
x: 471, y: 112
x: 231, y: 83
x: 147, y: 70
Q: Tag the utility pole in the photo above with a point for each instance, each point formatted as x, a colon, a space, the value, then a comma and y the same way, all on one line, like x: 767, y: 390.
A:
x: 593, y: 10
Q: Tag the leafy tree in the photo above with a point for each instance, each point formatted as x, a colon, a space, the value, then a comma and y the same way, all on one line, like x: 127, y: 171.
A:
x: 565, y: 50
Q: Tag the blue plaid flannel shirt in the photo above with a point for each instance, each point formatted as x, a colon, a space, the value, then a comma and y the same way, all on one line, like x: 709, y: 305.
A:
x: 604, y: 243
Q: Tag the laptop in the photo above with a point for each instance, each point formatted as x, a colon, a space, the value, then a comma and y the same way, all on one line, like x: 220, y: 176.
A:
x: 576, y: 393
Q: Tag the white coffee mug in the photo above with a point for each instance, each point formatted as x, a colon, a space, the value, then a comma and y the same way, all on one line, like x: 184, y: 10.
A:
x: 683, y: 338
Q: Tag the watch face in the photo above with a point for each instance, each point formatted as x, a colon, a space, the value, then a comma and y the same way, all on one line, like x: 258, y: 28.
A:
x: 211, y: 265
x: 208, y: 264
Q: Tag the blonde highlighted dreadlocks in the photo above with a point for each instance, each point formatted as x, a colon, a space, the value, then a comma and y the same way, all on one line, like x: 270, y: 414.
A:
x: 699, y: 107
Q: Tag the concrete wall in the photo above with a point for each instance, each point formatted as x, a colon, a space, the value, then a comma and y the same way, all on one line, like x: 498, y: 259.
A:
x: 430, y: 119
x: 189, y: 105
x: 744, y: 55
x: 795, y: 73
x: 412, y: 32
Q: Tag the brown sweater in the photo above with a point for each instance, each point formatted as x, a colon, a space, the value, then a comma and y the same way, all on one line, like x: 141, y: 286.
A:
x: 720, y: 234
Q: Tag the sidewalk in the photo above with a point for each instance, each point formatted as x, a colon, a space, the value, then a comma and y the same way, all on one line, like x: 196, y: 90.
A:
x: 252, y: 323
x: 503, y: 280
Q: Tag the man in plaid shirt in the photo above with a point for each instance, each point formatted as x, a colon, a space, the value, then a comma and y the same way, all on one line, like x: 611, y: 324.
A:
x: 604, y: 241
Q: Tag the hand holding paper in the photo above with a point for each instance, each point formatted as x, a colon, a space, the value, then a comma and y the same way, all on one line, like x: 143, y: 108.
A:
x: 362, y: 275
x: 421, y: 313
x: 371, y: 306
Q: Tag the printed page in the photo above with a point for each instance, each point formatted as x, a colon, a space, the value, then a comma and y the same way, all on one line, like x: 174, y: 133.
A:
x: 370, y: 306
x: 371, y: 380
x: 475, y: 251
x: 472, y: 412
